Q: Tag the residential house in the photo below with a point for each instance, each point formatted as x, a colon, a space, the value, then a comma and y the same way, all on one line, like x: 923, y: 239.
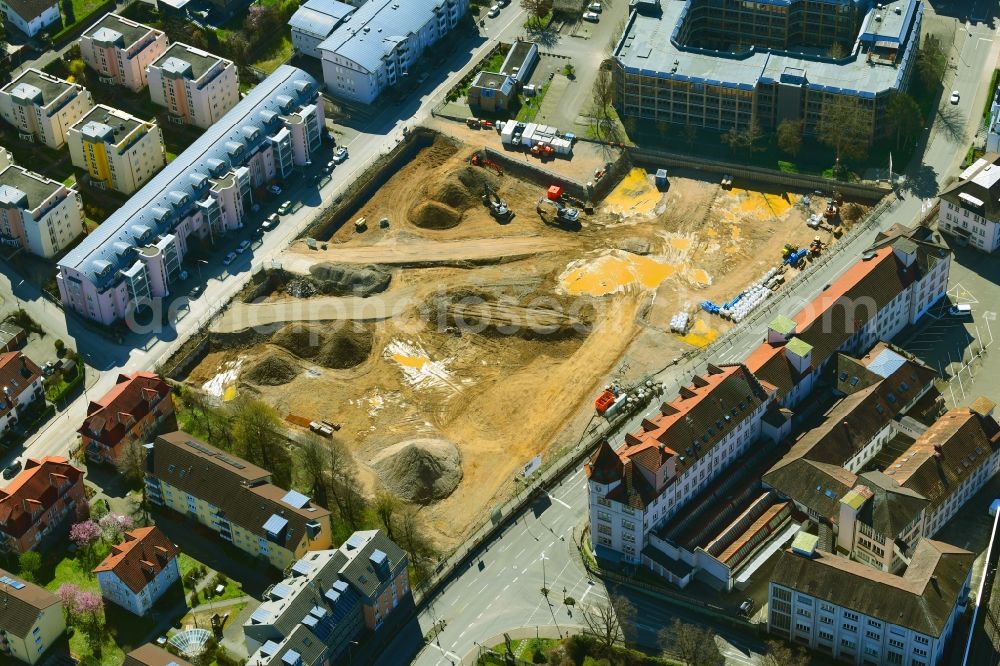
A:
x: 860, y: 615
x: 31, y: 16
x: 138, y: 571
x: 43, y: 499
x: 206, y: 191
x: 314, y: 21
x: 153, y: 655
x: 330, y: 599
x: 120, y: 50
x: 37, y: 214
x: 31, y: 619
x: 969, y: 208
x: 374, y: 49
x: 43, y: 107
x: 117, y: 150
x: 21, y: 385
x: 235, y: 498
x: 196, y: 87
x: 139, y: 406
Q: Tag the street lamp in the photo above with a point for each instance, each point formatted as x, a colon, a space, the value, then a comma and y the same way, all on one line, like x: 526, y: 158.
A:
x: 199, y: 262
x: 350, y: 651
x: 545, y: 589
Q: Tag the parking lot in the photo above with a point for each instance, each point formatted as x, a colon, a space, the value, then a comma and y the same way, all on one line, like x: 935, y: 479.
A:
x: 962, y: 347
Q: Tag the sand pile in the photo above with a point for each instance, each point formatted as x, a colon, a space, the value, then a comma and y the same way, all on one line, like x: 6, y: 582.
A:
x: 343, y: 280
x: 434, y: 215
x: 420, y: 470
x: 345, y: 347
x: 300, y: 339
x: 453, y: 193
x: 473, y: 178
x: 272, y: 370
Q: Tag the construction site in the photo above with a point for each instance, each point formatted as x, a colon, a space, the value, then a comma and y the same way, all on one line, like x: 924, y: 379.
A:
x: 464, y: 320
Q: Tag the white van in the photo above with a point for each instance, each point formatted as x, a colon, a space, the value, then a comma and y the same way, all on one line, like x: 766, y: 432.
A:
x: 960, y: 310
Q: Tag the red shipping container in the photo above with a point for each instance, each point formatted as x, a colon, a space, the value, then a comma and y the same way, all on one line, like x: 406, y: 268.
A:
x: 555, y: 192
x: 604, y: 401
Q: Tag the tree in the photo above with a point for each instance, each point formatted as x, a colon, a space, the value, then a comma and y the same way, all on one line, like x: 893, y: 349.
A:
x: 903, y: 117
x: 313, y: 469
x: 690, y: 643
x: 569, y: 71
x: 77, y: 67
x: 607, y: 622
x: 411, y: 539
x: 131, y: 463
x: 790, y: 136
x: 85, y: 534
x: 752, y: 136
x: 259, y: 438
x: 67, y: 10
x: 114, y: 525
x: 386, y: 505
x: 844, y: 126
x: 344, y: 486
x: 237, y: 48
x: 28, y: 564
x: 932, y: 62
x: 602, y: 98
x: 780, y: 654
x: 537, y: 10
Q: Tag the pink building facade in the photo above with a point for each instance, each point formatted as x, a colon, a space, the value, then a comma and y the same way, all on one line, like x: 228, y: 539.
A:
x: 120, y: 50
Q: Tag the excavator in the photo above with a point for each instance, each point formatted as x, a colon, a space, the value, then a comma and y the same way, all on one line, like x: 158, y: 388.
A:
x: 498, y: 207
x: 565, y: 217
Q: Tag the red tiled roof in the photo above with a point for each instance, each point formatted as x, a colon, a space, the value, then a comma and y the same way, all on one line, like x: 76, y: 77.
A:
x: 17, y: 372
x: 36, y: 485
x: 144, y: 553
x: 131, y: 399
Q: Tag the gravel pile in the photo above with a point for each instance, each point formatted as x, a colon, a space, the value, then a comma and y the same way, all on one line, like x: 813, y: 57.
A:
x: 345, y: 347
x: 420, y: 470
x: 344, y: 280
x: 272, y: 370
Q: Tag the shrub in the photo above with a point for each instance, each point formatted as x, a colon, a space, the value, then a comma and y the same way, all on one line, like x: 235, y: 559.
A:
x: 538, y: 658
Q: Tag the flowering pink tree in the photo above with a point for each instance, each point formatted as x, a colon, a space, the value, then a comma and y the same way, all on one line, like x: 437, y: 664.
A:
x: 85, y: 534
x: 114, y: 525
x: 85, y: 609
x: 67, y: 593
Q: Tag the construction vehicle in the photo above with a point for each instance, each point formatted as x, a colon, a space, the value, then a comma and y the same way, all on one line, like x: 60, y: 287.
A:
x: 542, y: 150
x: 788, y: 250
x: 565, y: 217
x: 473, y: 123
x: 498, y: 207
x: 485, y: 162
x: 816, y: 247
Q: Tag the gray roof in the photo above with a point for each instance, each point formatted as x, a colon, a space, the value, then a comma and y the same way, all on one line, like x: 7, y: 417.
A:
x: 20, y: 187
x: 892, y: 506
x: 978, y: 187
x: 33, y: 83
x: 179, y: 57
x: 648, y: 47
x: 377, y: 27
x: 30, y: 9
x: 320, y: 17
x: 815, y: 485
x: 261, y: 107
x: 359, y: 572
x: 106, y: 123
x: 922, y: 599
x: 111, y: 24
x: 21, y: 604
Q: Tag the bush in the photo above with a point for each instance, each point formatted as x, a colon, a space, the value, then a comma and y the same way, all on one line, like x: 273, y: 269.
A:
x: 193, y: 600
x: 538, y: 658
x: 60, y: 347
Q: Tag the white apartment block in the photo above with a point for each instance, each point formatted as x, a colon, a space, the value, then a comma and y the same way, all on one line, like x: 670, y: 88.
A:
x: 863, y: 616
x: 314, y: 21
x: 31, y: 16
x: 38, y: 214
x: 993, y: 129
x: 372, y: 50
x: 970, y: 209
x: 117, y: 150
x: 43, y: 107
x: 676, y: 454
x: 196, y: 87
x: 120, y: 50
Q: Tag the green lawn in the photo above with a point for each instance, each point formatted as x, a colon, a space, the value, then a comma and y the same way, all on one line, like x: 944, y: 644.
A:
x: 83, y: 11
x: 186, y: 563
x: 529, y: 109
x: 73, y: 569
x: 275, y: 55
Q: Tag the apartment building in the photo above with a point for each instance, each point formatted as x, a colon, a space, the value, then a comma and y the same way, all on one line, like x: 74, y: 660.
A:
x: 863, y: 616
x: 314, y: 21
x: 138, y: 407
x: 31, y: 16
x: 234, y: 498
x: 43, y: 107
x: 117, y: 150
x: 196, y: 87
x: 153, y: 655
x: 329, y: 600
x: 136, y: 254
x: 651, y: 476
x: 969, y: 209
x: 31, y: 619
x: 138, y: 571
x: 21, y: 384
x: 375, y: 47
x: 893, y: 285
x: 722, y: 65
x: 43, y: 499
x: 37, y: 214
x: 120, y: 50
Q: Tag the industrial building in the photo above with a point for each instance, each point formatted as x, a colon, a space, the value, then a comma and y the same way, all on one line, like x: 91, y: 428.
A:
x: 376, y: 46
x: 196, y: 87
x: 120, y: 49
x: 136, y: 254
x: 722, y: 65
x: 117, y: 150
x: 43, y: 107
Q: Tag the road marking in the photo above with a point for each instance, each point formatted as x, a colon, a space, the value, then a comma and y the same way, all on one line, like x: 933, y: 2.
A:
x: 479, y: 616
x: 462, y: 634
x: 484, y: 588
x: 515, y: 580
x: 505, y: 587
x: 519, y: 554
x: 446, y: 653
x: 556, y: 499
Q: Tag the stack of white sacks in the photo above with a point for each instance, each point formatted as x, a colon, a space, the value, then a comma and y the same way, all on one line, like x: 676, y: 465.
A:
x: 756, y: 294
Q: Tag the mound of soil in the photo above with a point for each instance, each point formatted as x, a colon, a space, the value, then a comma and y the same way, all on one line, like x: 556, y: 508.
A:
x: 344, y: 280
x: 434, y: 215
x: 272, y: 370
x: 473, y: 178
x: 453, y: 193
x: 300, y: 339
x: 420, y: 470
x: 346, y: 347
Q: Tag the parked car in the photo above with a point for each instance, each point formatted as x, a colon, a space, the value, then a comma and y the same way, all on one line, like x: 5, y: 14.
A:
x: 230, y: 258
x: 330, y: 166
x: 494, y: 11
x: 275, y: 190
x: 595, y: 7
x: 197, y: 291
x: 271, y: 222
x: 340, y: 155
x: 960, y: 310
x: 746, y: 607
x: 591, y: 16
x: 954, y: 97
x: 503, y: 3
x: 284, y: 208
x: 11, y: 470
x: 243, y: 246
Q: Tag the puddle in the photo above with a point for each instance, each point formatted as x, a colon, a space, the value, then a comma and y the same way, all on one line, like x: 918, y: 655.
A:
x: 223, y: 385
x: 701, y: 276
x: 614, y: 272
